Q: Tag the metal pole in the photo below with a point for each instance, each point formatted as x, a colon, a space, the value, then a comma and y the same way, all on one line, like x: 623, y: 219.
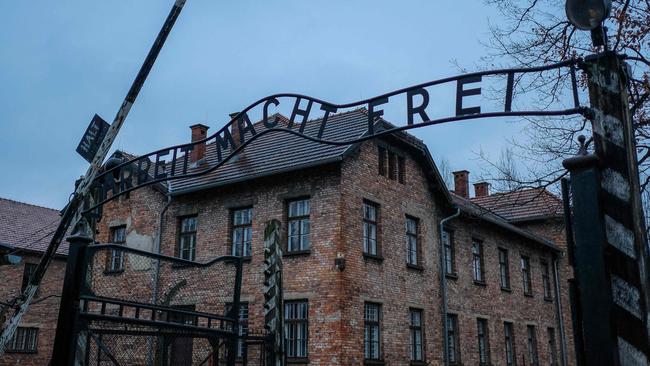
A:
x: 234, y: 343
x: 83, y: 189
x: 443, y: 287
x: 67, y: 328
x: 610, y: 293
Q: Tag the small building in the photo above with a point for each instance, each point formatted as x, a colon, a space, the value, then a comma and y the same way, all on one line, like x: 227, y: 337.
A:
x: 25, y: 232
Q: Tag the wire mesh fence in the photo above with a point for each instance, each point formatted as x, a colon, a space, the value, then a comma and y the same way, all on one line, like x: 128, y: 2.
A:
x: 140, y: 308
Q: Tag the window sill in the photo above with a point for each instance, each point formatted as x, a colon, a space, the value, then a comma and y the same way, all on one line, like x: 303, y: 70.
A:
x: 374, y: 362
x: 528, y: 295
x: 452, y: 276
x: 298, y: 360
x: 113, y: 272
x: 415, y: 267
x: 296, y: 253
x: 506, y: 289
x: 480, y: 283
x: 373, y: 257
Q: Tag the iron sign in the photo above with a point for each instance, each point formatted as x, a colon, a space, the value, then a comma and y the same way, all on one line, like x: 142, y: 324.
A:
x: 92, y: 138
x: 173, y: 162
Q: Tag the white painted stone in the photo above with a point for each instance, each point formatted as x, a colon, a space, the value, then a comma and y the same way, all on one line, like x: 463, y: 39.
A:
x: 629, y: 355
x: 626, y: 296
x: 608, y: 127
x: 614, y: 183
x: 619, y: 236
x: 598, y: 78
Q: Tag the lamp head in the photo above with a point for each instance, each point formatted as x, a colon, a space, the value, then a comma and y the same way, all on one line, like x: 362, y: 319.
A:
x: 587, y: 14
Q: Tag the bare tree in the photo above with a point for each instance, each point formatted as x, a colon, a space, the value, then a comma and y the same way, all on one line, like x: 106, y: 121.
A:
x: 536, y: 32
x: 446, y: 172
x: 503, y: 174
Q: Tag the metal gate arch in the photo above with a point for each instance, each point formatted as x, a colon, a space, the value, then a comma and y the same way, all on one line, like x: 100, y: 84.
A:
x: 136, y: 314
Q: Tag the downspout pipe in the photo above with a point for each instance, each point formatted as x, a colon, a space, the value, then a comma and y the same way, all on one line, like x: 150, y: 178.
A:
x: 157, y: 246
x: 443, y: 286
x: 156, y: 274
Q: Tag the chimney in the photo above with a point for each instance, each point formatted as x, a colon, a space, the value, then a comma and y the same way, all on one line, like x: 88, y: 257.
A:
x: 481, y: 189
x: 234, y: 129
x: 461, y: 183
x: 199, y: 132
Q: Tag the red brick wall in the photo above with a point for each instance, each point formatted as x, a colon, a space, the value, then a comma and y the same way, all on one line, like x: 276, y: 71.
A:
x: 398, y: 288
x: 389, y: 281
x: 553, y: 229
x: 42, y: 315
x: 336, y: 298
x: 471, y: 301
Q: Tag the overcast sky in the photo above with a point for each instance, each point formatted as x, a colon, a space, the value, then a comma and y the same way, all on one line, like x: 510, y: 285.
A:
x: 63, y: 61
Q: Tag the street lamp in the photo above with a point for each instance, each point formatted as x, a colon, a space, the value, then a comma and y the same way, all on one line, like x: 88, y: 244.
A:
x: 587, y: 14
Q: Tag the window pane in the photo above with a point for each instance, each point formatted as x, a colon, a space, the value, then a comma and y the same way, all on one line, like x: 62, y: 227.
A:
x: 371, y: 332
x: 296, y: 331
x: 369, y: 212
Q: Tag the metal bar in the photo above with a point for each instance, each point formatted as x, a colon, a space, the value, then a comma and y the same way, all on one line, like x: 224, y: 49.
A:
x: 184, y: 327
x: 105, y: 349
x: 84, y: 187
x: 67, y: 328
x: 137, y: 305
x: 568, y: 221
x: 183, y: 262
x: 574, y: 86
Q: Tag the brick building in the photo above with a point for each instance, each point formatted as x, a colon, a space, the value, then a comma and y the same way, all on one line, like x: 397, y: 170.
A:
x: 488, y: 280
x: 25, y: 231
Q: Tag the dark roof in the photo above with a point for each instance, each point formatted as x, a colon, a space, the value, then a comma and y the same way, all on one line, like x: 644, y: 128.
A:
x: 28, y: 227
x: 278, y: 152
x: 472, y: 209
x: 522, y: 205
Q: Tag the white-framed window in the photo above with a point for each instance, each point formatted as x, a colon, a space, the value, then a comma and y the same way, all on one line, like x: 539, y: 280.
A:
x: 296, y: 319
x: 450, y: 255
x: 477, y: 261
x: 298, y: 225
x: 242, y: 232
x: 116, y: 260
x: 412, y: 244
x: 370, y: 226
x: 417, y: 343
x: 187, y: 238
x: 372, y: 331
x: 24, y: 340
x: 526, y: 276
x: 483, y: 341
x: 504, y: 269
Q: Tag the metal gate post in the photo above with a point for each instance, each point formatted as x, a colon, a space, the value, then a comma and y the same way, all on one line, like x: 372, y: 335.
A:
x: 611, y: 252
x: 68, y: 327
x: 591, y: 303
x: 273, y: 294
x: 233, y: 343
